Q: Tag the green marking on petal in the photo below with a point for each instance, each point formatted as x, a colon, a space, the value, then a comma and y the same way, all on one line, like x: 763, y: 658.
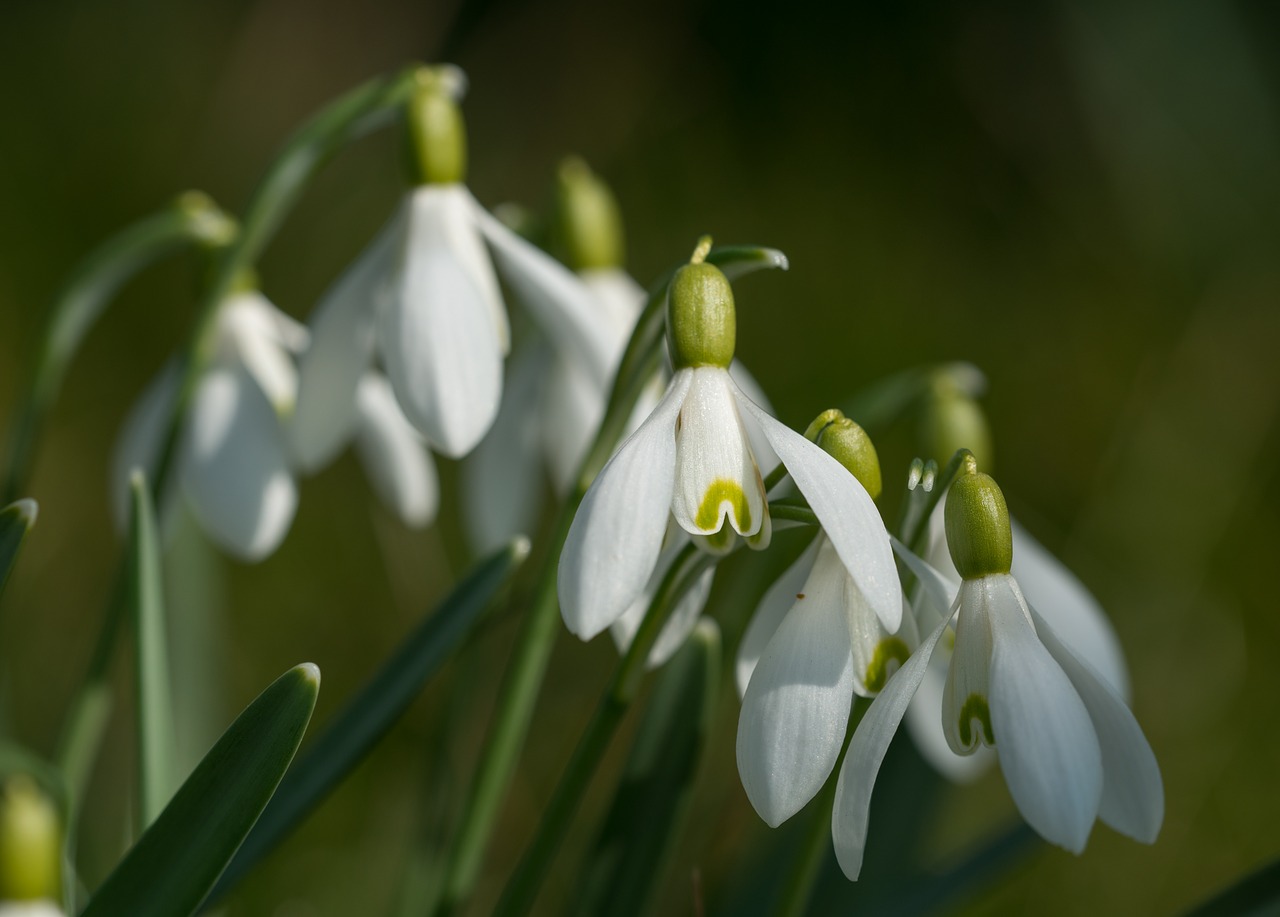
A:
x: 890, y: 649
x: 720, y: 492
x: 717, y: 543
x: 975, y: 708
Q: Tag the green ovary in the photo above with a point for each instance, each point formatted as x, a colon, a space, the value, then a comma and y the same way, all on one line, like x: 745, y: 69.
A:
x: 975, y: 708
x: 720, y: 492
x: 890, y: 649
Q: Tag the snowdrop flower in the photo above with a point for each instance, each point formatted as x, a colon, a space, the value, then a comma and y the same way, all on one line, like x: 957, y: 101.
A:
x: 41, y: 907
x: 691, y: 461
x: 1070, y: 749
x: 232, y: 465
x: 424, y: 300
x: 814, y: 643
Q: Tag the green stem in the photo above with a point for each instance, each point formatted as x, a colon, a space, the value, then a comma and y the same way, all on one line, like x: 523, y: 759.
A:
x: 524, y: 884
x: 191, y: 219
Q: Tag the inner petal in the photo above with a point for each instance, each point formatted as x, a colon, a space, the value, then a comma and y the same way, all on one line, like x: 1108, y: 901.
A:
x: 966, y: 716
x: 717, y: 481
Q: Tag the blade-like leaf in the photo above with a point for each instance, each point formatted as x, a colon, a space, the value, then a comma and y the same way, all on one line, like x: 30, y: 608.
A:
x: 175, y: 863
x: 643, y: 823
x: 15, y: 520
x: 145, y: 597
x: 368, y: 715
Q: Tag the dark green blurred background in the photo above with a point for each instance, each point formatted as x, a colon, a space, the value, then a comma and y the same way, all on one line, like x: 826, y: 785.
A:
x: 1081, y: 198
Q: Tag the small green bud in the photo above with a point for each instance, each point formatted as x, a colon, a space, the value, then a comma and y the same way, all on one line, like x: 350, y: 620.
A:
x: 952, y: 420
x: 436, y: 133
x: 588, y: 223
x: 212, y: 227
x: 702, y: 326
x: 978, y: 532
x: 30, y: 842
x: 850, y: 445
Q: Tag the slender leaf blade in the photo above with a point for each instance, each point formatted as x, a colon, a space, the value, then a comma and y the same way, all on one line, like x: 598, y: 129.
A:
x: 152, y: 689
x: 16, y: 520
x: 177, y: 860
x: 371, y: 712
x: 643, y: 824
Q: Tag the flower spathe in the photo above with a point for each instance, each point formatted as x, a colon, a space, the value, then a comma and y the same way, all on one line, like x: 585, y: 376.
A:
x: 1070, y: 749
x: 691, y: 460
x: 232, y: 465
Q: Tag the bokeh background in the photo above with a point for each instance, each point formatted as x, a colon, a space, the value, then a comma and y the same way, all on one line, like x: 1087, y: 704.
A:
x: 1082, y: 198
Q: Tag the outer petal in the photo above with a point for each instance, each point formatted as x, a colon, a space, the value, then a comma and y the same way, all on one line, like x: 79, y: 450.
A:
x: 683, y: 619
x: 254, y: 333
x: 236, y: 475
x: 458, y: 210
x: 1045, y: 740
x: 572, y: 408
x: 616, y: 536
x: 866, y: 753
x: 847, y: 513
x: 1132, y: 789
x: 394, y: 456
x: 340, y: 351
x: 937, y: 592
x: 566, y: 310
x: 796, y: 708
x: 924, y: 722
x: 502, y: 479
x: 769, y: 613
x: 766, y: 458
x: 442, y: 351
x: 140, y: 441
x: 717, y: 481
x: 1072, y: 610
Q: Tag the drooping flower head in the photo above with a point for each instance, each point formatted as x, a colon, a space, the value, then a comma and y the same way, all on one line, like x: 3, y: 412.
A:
x: 814, y: 643
x: 692, y: 461
x: 1070, y: 749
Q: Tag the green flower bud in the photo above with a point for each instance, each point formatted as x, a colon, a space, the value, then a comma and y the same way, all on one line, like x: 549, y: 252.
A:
x: 213, y: 228
x: 978, y: 533
x: 30, y: 842
x: 702, y: 326
x: 436, y: 133
x: 588, y: 224
x: 850, y: 445
x: 953, y: 419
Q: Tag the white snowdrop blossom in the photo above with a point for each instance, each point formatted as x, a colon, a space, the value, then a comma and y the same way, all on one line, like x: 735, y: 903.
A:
x: 424, y: 301
x: 1068, y: 745
x: 232, y: 464
x: 691, y: 461
x: 40, y: 907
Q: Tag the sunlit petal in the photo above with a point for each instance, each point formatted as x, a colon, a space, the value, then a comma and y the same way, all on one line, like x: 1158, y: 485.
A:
x: 249, y: 326
x: 866, y: 753
x: 769, y: 613
x: 572, y: 408
x: 235, y: 469
x: 616, y: 536
x: 394, y: 456
x: 796, y: 707
x: 766, y: 458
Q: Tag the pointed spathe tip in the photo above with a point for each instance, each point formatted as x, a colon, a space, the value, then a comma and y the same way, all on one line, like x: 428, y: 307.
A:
x: 309, y: 672
x: 28, y: 509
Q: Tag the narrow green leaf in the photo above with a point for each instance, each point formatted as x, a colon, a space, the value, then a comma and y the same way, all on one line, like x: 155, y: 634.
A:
x: 737, y: 261
x: 15, y: 520
x: 170, y: 870
x: 371, y: 712
x: 643, y: 824
x: 1255, y: 895
x: 152, y: 690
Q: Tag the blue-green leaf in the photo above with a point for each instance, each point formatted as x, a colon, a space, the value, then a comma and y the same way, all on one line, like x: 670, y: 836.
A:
x: 170, y: 870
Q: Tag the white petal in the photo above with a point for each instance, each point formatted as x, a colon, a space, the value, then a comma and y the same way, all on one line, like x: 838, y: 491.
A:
x: 924, y: 722
x: 717, y: 481
x: 572, y: 408
x: 394, y: 456
x: 966, y: 699
x: 249, y: 327
x: 769, y: 613
x: 1045, y: 741
x: 437, y: 335
x: 340, y: 351
x: 1132, y: 789
x: 565, y: 309
x: 796, y: 708
x: 937, y: 593
x: 236, y: 474
x: 140, y: 440
x: 877, y: 654
x: 502, y: 478
x: 620, y: 300
x: 866, y: 753
x: 683, y: 618
x: 1066, y: 604
x: 766, y: 458
x: 847, y: 513
x: 616, y: 536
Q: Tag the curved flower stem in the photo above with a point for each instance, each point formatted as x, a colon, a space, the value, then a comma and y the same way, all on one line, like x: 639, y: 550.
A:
x: 192, y: 219
x: 811, y: 853
x: 343, y: 121
x: 522, y: 682
x: 524, y: 884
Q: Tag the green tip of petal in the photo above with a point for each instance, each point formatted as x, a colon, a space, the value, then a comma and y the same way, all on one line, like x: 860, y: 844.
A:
x: 890, y: 655
x: 720, y: 492
x: 976, y: 708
